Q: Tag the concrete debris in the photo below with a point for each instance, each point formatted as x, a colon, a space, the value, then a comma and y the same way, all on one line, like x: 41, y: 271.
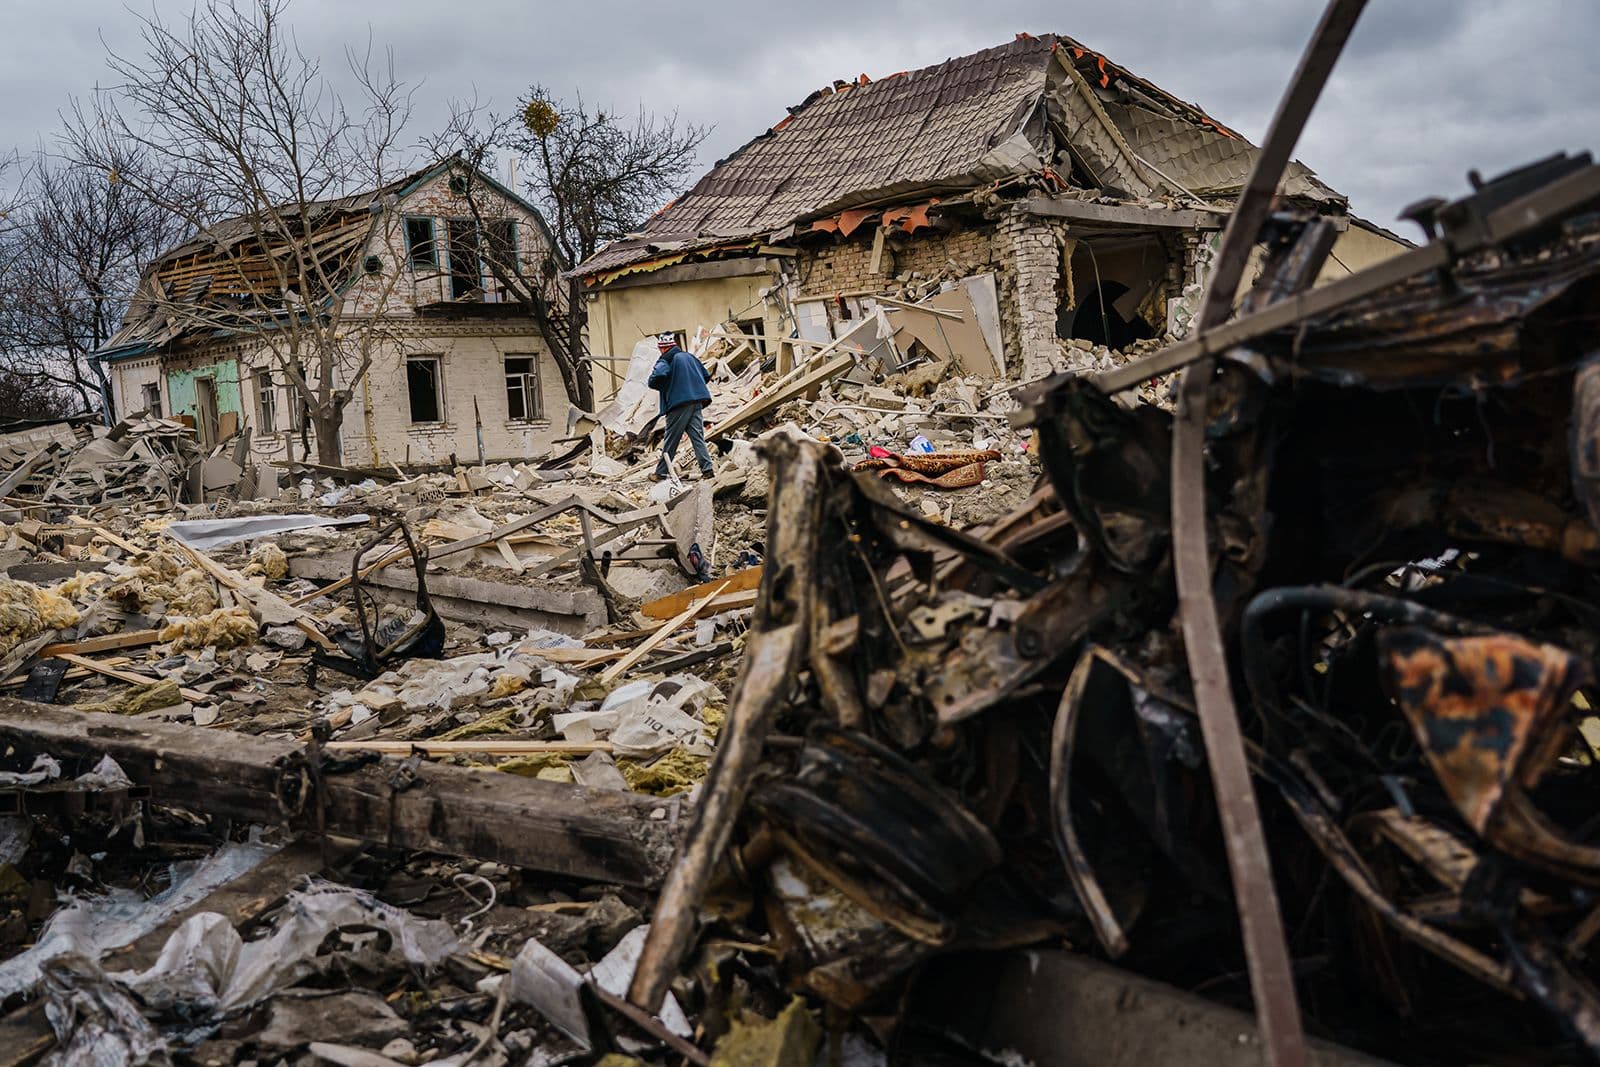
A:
x: 892, y: 738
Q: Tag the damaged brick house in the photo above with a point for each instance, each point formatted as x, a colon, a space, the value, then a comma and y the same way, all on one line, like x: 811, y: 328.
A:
x: 456, y: 360
x: 1075, y: 199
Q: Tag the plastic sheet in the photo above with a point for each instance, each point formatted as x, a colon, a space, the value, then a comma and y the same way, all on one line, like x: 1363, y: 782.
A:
x: 207, y: 965
x: 92, y: 926
x: 205, y: 534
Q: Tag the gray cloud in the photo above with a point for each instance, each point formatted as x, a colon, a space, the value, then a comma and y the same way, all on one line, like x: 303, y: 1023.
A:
x: 1426, y: 90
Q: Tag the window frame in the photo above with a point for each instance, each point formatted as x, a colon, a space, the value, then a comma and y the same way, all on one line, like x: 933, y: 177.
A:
x: 477, y: 237
x: 534, y: 378
x: 513, y: 245
x: 266, y: 400
x: 299, y: 411
x: 150, y: 395
x: 433, y: 243
x: 438, y: 392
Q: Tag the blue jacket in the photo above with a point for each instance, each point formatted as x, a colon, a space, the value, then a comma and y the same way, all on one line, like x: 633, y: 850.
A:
x: 680, y: 379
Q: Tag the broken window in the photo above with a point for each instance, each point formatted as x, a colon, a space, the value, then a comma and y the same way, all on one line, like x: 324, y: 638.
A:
x: 466, y: 270
x: 421, y: 245
x: 524, y: 400
x: 424, y: 385
x: 501, y: 237
x: 150, y: 394
x: 754, y: 327
x: 266, y: 402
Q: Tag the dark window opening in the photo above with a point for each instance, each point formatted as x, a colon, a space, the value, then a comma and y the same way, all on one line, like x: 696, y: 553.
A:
x: 421, y: 246
x: 524, y: 400
x: 501, y: 238
x: 150, y: 392
x: 422, y: 385
x: 466, y: 272
x: 754, y: 328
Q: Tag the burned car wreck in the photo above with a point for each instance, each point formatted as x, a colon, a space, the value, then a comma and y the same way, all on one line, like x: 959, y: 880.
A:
x: 988, y: 739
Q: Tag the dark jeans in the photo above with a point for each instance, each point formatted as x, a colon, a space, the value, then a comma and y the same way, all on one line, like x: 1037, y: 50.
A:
x: 681, y: 418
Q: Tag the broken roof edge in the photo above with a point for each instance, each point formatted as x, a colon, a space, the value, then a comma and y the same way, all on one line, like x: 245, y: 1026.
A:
x: 1372, y: 227
x: 402, y: 187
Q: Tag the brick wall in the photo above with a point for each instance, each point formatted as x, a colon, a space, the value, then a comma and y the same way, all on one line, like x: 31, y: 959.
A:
x: 1033, y: 250
x: 847, y: 265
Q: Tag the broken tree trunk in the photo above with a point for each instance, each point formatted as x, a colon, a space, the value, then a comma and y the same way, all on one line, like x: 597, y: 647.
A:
x: 598, y: 834
x: 776, y: 649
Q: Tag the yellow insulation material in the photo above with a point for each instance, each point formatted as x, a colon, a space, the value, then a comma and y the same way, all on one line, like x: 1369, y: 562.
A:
x: 56, y: 612
x: 546, y: 766
x: 216, y: 629
x: 81, y: 584
x: 192, y: 595
x: 505, y: 683
x: 676, y: 772
x: 268, y: 560
x: 27, y: 611
x: 162, y: 694
x: 184, y: 592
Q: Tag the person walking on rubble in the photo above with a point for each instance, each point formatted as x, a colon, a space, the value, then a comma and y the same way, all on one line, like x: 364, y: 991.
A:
x: 681, y: 379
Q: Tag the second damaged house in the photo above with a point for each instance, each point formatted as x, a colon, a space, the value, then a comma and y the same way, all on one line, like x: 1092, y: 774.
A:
x: 1069, y: 204
x: 418, y: 284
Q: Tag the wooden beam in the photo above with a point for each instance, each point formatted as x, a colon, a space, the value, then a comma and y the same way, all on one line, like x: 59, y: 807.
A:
x: 105, y: 643
x: 622, y: 666
x: 1123, y: 214
x: 767, y: 401
x: 596, y: 835
x: 508, y: 747
x: 740, y: 267
x: 668, y: 606
x: 905, y: 305
x: 259, y: 597
x: 194, y: 696
x: 26, y: 468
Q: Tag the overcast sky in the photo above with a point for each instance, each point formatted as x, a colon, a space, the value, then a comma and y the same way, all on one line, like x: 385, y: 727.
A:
x: 1426, y: 90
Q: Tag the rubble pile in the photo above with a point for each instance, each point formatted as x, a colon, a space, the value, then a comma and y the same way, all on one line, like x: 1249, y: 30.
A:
x: 879, y: 746
x: 272, y: 642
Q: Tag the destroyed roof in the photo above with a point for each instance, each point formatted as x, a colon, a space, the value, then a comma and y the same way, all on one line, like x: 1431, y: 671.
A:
x: 225, y: 260
x: 950, y: 127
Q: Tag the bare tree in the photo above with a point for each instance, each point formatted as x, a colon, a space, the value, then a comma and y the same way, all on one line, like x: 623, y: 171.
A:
x: 225, y: 102
x: 76, y: 249
x: 594, y: 178
x: 597, y: 176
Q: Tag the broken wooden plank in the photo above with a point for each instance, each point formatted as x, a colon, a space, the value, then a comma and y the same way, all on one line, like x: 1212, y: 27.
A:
x: 508, y: 747
x: 104, y: 643
x: 622, y: 666
x: 268, y: 606
x: 571, y: 555
x: 782, y: 394
x: 1123, y: 214
x: 668, y: 606
x: 592, y: 834
x: 906, y: 305
x: 106, y: 535
x: 26, y: 468
x: 194, y: 696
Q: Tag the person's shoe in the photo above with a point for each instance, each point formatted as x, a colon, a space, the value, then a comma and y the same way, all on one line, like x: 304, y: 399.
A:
x: 708, y: 473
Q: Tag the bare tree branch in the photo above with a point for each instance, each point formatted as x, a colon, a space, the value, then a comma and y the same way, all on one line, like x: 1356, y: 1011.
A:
x: 222, y: 120
x: 595, y: 179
